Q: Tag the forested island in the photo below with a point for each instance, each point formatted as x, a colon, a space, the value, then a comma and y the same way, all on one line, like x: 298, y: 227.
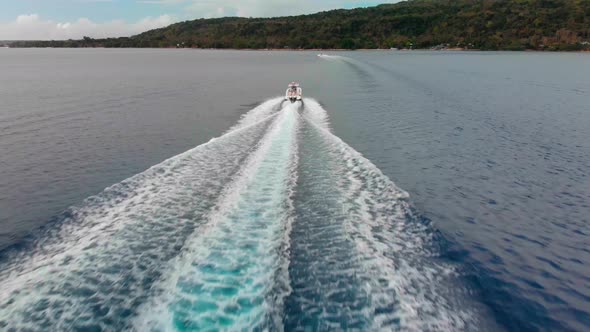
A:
x: 418, y: 24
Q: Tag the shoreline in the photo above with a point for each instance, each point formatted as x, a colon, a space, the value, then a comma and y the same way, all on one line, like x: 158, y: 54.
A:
x: 311, y: 49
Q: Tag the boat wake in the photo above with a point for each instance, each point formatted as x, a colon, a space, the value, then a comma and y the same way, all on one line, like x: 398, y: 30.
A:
x: 276, y: 225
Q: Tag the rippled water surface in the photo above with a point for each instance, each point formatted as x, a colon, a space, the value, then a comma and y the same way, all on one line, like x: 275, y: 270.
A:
x: 420, y: 191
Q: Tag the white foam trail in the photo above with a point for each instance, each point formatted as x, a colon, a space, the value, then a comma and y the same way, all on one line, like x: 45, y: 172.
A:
x: 316, y: 113
x: 393, y: 247
x: 96, y: 267
x: 329, y: 57
x: 228, y: 206
x: 259, y: 113
x: 232, y: 274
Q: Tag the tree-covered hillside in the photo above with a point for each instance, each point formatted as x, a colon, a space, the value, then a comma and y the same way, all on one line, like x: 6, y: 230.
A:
x: 480, y: 24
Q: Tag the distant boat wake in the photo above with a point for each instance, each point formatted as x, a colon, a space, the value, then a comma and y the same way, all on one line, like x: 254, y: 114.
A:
x: 276, y: 225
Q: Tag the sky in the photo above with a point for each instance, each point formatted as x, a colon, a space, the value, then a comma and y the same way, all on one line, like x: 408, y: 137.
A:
x: 65, y: 19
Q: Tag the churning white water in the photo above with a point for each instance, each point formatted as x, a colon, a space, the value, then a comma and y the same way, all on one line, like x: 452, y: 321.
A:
x: 277, y: 224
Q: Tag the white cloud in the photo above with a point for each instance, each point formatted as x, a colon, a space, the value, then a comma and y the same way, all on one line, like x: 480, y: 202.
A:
x: 33, y: 27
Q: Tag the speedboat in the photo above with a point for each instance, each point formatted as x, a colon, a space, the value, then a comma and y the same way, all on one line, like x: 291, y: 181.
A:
x: 294, y: 92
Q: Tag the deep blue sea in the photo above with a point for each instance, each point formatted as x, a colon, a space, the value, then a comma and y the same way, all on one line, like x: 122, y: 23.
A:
x: 174, y: 190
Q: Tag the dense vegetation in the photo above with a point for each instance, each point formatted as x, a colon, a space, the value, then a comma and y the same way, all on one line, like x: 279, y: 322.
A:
x: 480, y: 24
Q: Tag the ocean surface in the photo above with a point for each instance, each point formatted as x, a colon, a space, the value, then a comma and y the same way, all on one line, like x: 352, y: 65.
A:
x: 174, y: 190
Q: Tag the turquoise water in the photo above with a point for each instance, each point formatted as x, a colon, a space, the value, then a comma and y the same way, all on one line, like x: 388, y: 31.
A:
x: 233, y: 273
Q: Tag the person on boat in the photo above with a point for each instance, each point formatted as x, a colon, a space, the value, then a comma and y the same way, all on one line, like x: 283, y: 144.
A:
x: 293, y: 91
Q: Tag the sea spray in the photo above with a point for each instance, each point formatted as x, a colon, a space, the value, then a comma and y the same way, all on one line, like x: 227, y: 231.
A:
x: 360, y: 258
x: 94, y: 267
x: 232, y: 275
